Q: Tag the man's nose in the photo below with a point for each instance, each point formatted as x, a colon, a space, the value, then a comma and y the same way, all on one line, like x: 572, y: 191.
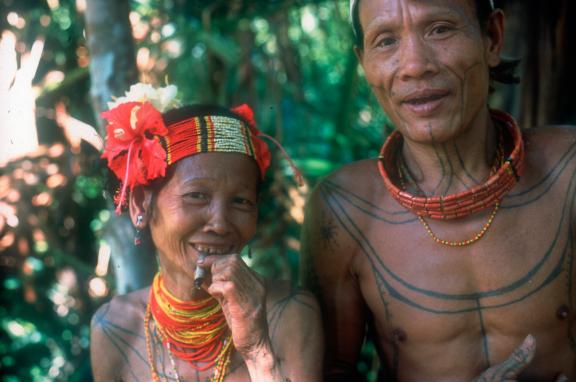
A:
x: 416, y: 59
x: 218, y: 219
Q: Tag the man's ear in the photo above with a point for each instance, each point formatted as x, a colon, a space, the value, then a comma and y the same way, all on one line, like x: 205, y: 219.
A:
x: 359, y: 53
x: 140, y: 204
x: 495, y: 37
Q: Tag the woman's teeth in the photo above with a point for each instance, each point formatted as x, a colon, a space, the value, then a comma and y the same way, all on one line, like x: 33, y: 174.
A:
x: 212, y: 251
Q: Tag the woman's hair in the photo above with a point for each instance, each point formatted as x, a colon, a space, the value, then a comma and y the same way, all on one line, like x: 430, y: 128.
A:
x: 503, y: 72
x: 190, y: 111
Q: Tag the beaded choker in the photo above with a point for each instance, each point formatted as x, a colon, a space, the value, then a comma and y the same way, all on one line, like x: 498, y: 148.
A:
x: 466, y: 202
x: 196, y: 332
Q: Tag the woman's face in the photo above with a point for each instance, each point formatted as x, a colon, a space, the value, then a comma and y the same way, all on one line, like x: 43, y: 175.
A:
x: 208, y: 205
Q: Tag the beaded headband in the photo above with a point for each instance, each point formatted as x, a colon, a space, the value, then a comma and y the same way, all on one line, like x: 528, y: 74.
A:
x: 354, y: 4
x: 140, y: 146
x: 216, y: 133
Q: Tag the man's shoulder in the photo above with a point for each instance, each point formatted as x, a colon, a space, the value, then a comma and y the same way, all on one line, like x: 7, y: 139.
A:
x: 360, y: 174
x: 546, y: 145
x: 550, y: 136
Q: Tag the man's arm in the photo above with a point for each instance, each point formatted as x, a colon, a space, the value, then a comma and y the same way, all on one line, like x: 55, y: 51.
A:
x: 327, y: 256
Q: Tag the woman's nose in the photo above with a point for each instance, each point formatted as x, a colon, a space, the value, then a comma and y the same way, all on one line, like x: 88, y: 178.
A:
x: 218, y: 219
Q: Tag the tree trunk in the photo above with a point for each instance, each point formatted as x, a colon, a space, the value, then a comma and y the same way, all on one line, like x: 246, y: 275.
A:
x: 112, y: 54
x: 112, y: 70
x: 544, y: 40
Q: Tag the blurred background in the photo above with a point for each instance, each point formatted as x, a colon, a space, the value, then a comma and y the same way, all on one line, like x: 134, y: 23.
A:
x: 63, y: 252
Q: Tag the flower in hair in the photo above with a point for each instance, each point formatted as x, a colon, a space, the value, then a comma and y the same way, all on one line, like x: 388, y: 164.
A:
x: 133, y: 149
x: 163, y: 98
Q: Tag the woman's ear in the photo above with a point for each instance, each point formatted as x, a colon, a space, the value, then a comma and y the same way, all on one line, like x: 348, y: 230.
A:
x: 140, y: 204
x: 495, y: 36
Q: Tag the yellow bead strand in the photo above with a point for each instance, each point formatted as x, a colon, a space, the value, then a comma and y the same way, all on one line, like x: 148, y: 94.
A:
x: 462, y: 243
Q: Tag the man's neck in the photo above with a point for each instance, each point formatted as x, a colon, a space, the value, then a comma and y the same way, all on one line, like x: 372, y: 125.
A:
x: 451, y: 166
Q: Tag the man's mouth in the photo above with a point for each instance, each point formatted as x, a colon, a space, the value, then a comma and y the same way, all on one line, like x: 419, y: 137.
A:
x: 425, y: 102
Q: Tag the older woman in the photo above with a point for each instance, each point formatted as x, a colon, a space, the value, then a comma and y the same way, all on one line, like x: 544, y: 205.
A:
x: 191, y: 177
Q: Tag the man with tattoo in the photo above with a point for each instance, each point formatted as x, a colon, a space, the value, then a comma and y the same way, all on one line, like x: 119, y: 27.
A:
x: 190, y: 177
x: 454, y: 250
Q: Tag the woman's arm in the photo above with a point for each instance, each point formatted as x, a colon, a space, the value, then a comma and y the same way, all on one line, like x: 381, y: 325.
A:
x: 295, y: 329
x: 278, y: 335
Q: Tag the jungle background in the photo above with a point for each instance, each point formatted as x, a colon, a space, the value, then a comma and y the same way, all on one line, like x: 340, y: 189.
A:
x: 63, y: 252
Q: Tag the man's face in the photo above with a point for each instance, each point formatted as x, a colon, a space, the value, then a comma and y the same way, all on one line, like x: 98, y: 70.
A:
x: 427, y: 63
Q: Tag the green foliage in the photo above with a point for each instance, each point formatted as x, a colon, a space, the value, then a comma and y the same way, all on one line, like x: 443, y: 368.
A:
x: 292, y: 61
x: 47, y: 248
x: 296, y: 67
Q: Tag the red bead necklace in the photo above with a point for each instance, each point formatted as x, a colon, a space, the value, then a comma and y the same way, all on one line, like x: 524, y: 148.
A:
x: 195, y: 331
x: 466, y: 202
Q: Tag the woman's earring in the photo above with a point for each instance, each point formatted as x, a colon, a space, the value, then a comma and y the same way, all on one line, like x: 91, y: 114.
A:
x: 138, y: 234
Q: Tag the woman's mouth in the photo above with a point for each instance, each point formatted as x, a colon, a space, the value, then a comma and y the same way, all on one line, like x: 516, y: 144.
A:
x: 213, y: 250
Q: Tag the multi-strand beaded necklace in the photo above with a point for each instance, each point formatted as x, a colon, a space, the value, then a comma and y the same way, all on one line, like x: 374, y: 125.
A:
x: 192, y: 331
x: 501, y: 180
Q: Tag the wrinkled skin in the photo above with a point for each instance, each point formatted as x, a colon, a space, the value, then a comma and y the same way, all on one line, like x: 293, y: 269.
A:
x: 209, y: 205
x: 501, y: 309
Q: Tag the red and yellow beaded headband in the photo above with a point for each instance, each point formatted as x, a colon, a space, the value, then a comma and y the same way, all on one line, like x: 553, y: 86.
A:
x: 217, y: 133
x: 139, y: 146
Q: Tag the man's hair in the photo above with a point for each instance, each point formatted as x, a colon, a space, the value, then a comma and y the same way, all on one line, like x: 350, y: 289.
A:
x: 503, y: 72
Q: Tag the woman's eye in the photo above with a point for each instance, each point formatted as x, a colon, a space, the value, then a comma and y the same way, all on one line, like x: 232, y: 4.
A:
x: 196, y: 195
x: 243, y: 202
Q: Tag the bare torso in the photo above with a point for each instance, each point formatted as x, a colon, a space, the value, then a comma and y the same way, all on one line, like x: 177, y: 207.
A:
x: 119, y: 347
x: 447, y: 314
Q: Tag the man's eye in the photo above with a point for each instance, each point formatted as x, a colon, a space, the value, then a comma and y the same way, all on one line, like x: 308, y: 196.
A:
x: 386, y: 42
x: 441, y: 29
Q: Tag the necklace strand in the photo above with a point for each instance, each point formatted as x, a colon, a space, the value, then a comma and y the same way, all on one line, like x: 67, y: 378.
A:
x: 221, y: 365
x: 462, y: 243
x: 196, y: 330
x: 403, y: 174
x: 469, y: 201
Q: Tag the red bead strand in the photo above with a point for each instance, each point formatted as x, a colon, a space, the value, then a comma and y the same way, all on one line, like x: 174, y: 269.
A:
x: 466, y: 202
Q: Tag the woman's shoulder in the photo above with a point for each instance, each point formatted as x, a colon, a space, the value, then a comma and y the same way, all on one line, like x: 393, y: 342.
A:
x: 117, y: 335
x: 294, y: 321
x: 285, y: 301
x: 123, y: 309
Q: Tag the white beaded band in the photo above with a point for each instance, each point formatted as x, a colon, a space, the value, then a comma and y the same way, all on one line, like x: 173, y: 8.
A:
x: 354, y: 2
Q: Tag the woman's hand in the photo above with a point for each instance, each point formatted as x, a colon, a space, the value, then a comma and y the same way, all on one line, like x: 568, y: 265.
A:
x: 242, y: 294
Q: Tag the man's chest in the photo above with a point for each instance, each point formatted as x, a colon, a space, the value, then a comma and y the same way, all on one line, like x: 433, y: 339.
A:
x: 472, y: 302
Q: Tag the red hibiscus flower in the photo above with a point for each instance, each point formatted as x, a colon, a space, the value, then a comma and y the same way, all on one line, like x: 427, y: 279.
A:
x: 133, y: 150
